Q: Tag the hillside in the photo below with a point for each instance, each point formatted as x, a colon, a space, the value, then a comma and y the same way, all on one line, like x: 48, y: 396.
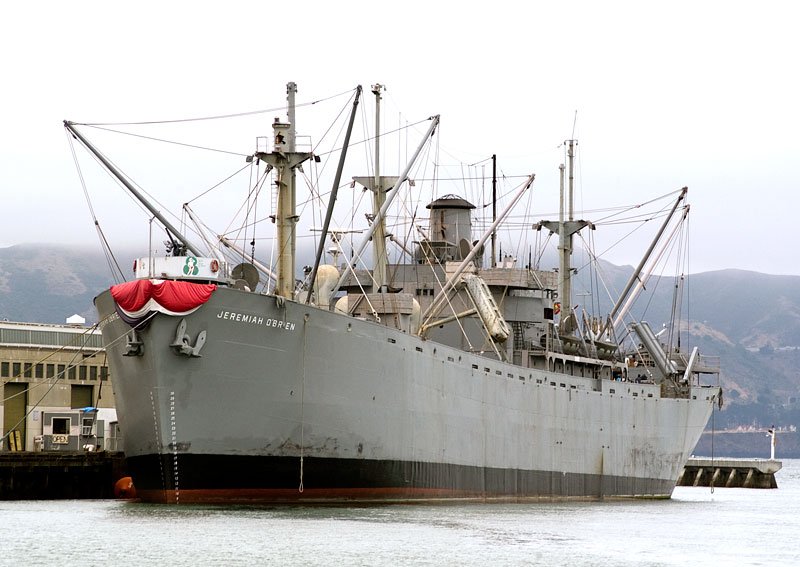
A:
x: 750, y: 320
x: 48, y: 283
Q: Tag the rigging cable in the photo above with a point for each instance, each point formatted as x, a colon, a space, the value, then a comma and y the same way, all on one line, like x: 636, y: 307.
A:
x: 713, y: 431
x: 132, y: 182
x: 116, y: 271
x: 217, y: 117
x: 162, y: 140
x: 231, y: 176
x: 245, y: 209
x: 688, y: 285
x: 255, y: 215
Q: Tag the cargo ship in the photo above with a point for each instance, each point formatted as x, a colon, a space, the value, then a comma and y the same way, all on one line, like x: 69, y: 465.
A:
x: 451, y: 375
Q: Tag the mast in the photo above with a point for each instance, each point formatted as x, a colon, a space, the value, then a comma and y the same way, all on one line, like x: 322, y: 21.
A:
x: 565, y: 237
x: 285, y: 160
x: 173, y: 232
x: 564, y: 281
x: 291, y: 91
x: 565, y: 230
x: 379, y: 238
x: 379, y: 186
x: 494, y: 209
x: 391, y: 194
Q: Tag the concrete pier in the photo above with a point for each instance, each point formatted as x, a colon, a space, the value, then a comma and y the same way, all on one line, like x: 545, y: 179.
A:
x: 59, y: 475
x: 730, y: 473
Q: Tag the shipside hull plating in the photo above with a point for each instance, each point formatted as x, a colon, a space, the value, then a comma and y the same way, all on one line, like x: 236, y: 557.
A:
x: 225, y: 479
x: 287, y: 402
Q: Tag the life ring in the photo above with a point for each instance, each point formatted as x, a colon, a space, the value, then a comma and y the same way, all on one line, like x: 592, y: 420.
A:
x: 214, y: 266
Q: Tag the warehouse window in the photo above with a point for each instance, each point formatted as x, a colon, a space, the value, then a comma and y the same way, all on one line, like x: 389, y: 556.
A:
x: 61, y: 425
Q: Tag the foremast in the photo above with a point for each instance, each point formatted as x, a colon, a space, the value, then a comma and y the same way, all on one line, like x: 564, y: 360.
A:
x: 285, y: 159
x: 565, y: 230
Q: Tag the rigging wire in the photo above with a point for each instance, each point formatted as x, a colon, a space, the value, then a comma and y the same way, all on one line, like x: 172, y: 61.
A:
x: 688, y: 283
x: 253, y: 193
x: 231, y: 176
x: 165, y: 141
x: 113, y: 265
x: 130, y: 180
x: 365, y: 141
x: 214, y: 117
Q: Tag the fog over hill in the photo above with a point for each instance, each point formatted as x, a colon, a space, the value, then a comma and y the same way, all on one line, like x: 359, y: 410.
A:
x: 750, y: 320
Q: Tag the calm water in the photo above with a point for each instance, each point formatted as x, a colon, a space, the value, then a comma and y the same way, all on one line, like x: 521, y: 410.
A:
x: 728, y: 527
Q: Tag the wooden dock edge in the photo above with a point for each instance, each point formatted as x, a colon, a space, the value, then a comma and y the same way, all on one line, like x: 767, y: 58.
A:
x: 59, y: 475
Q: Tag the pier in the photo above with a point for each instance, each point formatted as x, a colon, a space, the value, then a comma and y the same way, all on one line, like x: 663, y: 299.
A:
x: 59, y: 475
x: 730, y: 473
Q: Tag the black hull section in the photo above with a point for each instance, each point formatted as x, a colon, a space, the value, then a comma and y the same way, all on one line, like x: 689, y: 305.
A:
x: 227, y: 479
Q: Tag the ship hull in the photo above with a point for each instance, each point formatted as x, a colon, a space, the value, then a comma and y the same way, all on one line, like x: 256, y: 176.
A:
x: 286, y: 402
x: 221, y: 479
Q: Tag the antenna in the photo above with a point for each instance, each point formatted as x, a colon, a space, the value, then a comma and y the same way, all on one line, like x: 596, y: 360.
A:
x: 574, y: 123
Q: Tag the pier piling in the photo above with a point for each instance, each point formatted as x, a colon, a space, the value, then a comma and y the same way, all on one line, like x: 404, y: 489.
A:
x: 730, y: 473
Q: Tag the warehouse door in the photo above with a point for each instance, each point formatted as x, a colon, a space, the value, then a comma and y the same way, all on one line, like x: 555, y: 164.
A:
x: 15, y: 403
x: 81, y: 396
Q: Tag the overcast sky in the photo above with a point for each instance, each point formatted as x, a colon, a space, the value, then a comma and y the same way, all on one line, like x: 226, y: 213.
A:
x: 668, y: 94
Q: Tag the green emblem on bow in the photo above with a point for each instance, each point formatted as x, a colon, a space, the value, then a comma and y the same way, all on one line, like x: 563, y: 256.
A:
x: 190, y: 268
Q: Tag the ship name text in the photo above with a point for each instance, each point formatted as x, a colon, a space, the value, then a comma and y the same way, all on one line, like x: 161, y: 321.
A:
x: 256, y: 320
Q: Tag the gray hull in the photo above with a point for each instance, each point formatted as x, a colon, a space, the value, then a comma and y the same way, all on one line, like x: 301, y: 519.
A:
x: 291, y: 402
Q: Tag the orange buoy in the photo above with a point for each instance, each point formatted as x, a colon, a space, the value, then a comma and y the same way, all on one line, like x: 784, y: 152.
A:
x: 124, y: 488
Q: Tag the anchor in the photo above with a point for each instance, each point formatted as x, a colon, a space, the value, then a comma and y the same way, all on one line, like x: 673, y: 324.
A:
x: 182, y: 345
x: 133, y: 344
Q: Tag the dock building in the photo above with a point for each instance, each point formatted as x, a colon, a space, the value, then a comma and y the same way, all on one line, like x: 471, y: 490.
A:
x: 57, y: 394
